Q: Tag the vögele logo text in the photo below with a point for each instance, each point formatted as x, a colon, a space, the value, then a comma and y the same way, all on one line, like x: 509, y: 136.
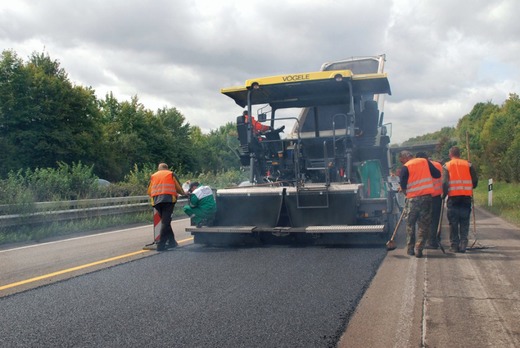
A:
x: 299, y: 77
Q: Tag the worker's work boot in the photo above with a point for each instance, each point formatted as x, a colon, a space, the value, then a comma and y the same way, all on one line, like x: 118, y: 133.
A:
x: 418, y: 253
x: 171, y: 244
x: 454, y: 248
x: 161, y: 246
x: 462, y: 246
x: 410, y: 252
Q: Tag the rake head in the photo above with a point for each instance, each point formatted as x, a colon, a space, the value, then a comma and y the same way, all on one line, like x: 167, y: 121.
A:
x: 390, y: 245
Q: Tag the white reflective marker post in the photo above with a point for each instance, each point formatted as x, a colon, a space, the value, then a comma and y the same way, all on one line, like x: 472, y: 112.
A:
x: 490, y: 192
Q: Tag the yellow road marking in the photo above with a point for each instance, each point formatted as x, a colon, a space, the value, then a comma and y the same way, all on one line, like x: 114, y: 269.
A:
x: 77, y: 268
x: 68, y: 270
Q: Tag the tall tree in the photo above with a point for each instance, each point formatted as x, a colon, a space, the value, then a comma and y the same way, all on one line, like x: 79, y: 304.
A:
x: 220, y: 145
x: 15, y: 109
x: 124, y: 127
x: 471, y: 126
x: 45, y: 118
x: 497, y: 139
x: 138, y: 136
x: 175, y: 145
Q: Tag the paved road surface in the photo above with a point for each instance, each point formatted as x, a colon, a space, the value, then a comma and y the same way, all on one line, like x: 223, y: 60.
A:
x: 30, y: 260
x: 195, y: 296
x: 452, y: 300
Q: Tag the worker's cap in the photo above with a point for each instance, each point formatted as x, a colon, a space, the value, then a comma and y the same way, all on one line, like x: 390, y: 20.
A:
x: 193, y: 186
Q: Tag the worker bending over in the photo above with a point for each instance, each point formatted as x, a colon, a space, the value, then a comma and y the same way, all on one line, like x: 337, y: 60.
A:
x: 202, y: 207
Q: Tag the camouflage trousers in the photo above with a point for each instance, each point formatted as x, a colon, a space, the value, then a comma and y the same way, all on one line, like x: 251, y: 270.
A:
x: 419, y: 212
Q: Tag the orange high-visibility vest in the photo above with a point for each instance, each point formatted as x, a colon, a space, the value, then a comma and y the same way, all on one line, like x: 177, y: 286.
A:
x: 437, y: 182
x: 460, y: 183
x: 420, y: 182
x: 257, y: 126
x: 162, y: 183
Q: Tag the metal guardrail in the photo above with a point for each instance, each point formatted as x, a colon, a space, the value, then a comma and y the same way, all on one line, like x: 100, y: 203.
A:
x: 47, y: 212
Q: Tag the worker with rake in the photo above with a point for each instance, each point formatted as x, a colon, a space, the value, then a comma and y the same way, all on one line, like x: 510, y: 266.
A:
x: 416, y: 179
x: 460, y: 178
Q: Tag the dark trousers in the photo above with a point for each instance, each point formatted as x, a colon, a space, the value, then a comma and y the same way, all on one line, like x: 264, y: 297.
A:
x: 165, y: 211
x: 436, y: 215
x: 459, y: 211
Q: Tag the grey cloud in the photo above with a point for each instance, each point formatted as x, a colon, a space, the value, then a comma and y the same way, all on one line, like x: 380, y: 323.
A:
x: 442, y: 55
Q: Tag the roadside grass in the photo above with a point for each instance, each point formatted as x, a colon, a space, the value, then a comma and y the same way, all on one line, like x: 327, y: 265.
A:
x: 506, y: 200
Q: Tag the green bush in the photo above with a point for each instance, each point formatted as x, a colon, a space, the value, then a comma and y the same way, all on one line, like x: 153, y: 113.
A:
x: 77, y: 181
x: 14, y: 190
x: 67, y: 182
x: 137, y: 180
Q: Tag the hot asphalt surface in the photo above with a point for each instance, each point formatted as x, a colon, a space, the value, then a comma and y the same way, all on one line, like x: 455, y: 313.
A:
x: 195, y: 296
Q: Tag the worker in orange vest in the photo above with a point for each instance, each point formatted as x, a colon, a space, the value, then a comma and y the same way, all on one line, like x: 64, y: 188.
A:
x: 431, y: 241
x: 416, y: 180
x: 459, y: 180
x: 257, y: 126
x: 164, y: 188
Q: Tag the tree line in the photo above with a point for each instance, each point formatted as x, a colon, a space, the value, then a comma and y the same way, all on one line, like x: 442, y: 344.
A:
x: 489, y: 136
x: 45, y: 120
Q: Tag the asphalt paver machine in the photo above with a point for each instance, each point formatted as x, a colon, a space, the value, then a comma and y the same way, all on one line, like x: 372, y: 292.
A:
x: 328, y: 180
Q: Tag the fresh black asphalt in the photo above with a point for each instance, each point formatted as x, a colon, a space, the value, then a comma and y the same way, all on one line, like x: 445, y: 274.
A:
x: 196, y: 296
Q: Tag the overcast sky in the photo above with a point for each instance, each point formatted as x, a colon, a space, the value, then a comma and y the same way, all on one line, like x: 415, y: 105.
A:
x: 443, y: 56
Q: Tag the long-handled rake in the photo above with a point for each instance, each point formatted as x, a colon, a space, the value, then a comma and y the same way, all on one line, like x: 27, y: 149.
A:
x: 390, y: 245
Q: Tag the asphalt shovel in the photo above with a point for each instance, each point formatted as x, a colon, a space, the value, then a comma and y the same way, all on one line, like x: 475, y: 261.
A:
x: 390, y: 245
